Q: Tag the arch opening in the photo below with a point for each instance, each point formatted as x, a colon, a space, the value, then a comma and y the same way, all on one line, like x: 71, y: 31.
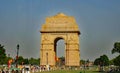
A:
x: 59, y: 49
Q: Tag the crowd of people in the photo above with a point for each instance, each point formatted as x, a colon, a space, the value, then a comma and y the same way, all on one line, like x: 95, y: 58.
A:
x: 25, y: 69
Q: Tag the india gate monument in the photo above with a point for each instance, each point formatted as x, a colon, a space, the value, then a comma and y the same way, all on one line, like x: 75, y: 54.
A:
x: 55, y: 28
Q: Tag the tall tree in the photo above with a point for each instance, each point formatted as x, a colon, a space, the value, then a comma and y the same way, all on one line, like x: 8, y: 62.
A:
x: 116, y: 48
x: 103, y: 61
x: 2, y: 54
x: 97, y: 61
x: 117, y: 61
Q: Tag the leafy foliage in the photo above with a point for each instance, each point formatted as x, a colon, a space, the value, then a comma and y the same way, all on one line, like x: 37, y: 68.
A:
x: 2, y: 54
x: 111, y: 62
x: 26, y: 61
x: 117, y: 61
x: 97, y: 61
x: 82, y: 62
x: 103, y: 61
x: 20, y: 60
x: 116, y: 48
x: 34, y: 61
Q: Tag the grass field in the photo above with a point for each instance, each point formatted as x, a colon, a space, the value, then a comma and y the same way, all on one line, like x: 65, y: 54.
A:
x: 70, y: 71
x: 73, y: 71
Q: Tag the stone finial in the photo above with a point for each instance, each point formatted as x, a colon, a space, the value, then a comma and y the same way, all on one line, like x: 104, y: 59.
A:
x: 60, y: 14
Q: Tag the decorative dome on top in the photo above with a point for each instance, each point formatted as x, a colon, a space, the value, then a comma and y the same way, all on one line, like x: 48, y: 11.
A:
x: 60, y: 14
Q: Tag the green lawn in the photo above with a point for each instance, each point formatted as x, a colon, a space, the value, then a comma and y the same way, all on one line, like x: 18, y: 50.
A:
x: 73, y: 71
x: 70, y: 71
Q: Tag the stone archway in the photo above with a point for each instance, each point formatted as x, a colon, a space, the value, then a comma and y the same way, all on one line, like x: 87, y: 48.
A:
x: 55, y: 44
x: 58, y: 27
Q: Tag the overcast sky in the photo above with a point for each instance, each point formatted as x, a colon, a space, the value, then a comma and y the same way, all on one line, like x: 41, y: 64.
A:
x: 98, y: 20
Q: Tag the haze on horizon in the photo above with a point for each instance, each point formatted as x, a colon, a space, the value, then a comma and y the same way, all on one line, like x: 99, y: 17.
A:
x: 98, y: 20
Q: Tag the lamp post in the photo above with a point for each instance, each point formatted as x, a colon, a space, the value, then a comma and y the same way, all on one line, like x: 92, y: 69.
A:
x: 17, y: 54
x: 17, y: 49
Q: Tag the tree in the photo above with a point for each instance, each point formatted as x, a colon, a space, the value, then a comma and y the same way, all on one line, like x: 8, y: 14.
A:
x: 111, y: 62
x: 20, y: 60
x: 97, y: 61
x: 117, y: 61
x: 26, y: 61
x: 116, y: 48
x: 82, y: 62
x: 103, y: 61
x: 2, y: 54
x: 34, y: 61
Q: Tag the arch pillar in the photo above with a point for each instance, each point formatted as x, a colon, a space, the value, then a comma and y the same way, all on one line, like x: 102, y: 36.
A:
x: 47, y: 54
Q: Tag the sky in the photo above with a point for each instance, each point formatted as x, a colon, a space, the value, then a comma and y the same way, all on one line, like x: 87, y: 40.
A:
x: 98, y: 21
